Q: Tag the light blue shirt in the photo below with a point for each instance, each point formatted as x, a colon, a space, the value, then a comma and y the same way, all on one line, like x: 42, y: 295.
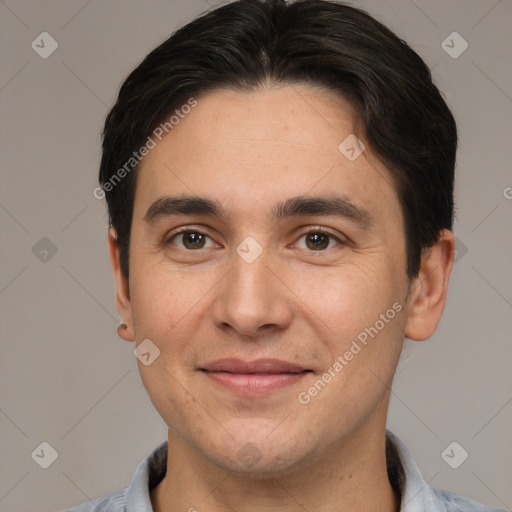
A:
x: 417, y: 495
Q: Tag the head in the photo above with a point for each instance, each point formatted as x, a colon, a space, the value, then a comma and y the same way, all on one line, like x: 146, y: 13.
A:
x: 254, y: 125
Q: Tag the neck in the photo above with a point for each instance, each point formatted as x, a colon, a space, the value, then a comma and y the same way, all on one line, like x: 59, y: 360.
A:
x: 350, y: 476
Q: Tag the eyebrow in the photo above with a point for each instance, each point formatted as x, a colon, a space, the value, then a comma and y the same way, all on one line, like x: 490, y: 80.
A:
x: 169, y: 206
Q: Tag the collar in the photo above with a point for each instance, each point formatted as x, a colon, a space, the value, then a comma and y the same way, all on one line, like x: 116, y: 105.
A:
x: 406, y: 478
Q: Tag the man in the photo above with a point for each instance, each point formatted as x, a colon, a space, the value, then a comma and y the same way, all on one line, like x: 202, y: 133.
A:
x: 279, y: 178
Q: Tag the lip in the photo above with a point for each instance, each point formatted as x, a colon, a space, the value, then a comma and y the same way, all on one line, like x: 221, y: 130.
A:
x: 253, y: 378
x: 234, y: 365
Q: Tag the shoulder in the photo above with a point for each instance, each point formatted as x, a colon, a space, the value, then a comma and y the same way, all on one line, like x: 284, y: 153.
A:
x: 416, y: 494
x: 112, y: 502
x: 458, y: 503
x: 137, y: 496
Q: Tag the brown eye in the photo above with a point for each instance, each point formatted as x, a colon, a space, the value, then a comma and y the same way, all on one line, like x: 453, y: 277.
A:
x: 318, y: 240
x: 190, y: 240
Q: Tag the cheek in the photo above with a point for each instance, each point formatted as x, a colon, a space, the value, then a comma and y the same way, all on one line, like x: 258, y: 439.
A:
x: 360, y: 325
x: 348, y: 298
x: 168, y: 307
x: 160, y: 297
x: 358, y: 318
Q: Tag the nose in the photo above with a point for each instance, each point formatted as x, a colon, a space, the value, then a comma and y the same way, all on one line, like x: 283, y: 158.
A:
x: 252, y: 301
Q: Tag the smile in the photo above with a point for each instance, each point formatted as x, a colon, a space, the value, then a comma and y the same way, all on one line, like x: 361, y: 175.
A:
x: 254, y: 378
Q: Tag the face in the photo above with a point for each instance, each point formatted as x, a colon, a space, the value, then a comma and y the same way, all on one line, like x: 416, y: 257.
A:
x: 279, y: 313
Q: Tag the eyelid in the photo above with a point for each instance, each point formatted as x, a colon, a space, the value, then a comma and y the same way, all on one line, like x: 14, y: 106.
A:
x: 201, y: 230
x: 186, y: 229
x: 326, y: 231
x: 321, y: 229
x: 343, y: 240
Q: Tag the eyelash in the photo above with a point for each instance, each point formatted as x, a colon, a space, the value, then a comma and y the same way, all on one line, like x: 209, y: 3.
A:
x: 312, y: 230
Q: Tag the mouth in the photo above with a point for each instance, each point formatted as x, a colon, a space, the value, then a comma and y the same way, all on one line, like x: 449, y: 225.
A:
x: 253, y: 378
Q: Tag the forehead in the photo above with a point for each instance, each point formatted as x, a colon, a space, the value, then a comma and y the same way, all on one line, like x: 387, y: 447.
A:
x: 250, y: 150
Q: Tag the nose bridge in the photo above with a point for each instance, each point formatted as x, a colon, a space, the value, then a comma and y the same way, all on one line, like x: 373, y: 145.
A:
x: 252, y: 297
x: 249, y: 279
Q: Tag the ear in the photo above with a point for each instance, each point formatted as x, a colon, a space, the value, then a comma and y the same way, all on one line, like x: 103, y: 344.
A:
x: 123, y: 302
x: 428, y: 290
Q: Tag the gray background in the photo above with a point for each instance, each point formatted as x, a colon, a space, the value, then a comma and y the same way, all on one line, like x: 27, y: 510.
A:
x: 65, y: 376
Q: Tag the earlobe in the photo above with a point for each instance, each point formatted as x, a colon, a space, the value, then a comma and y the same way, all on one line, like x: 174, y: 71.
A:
x: 429, y: 289
x: 123, y: 303
x: 124, y: 333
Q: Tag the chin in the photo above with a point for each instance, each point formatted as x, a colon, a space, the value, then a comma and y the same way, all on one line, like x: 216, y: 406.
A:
x: 258, y: 458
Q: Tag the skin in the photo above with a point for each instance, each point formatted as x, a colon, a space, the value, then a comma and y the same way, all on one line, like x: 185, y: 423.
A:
x: 250, y: 151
